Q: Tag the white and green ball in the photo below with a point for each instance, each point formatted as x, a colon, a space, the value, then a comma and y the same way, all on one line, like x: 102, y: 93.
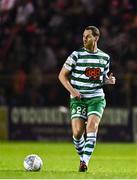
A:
x: 32, y: 162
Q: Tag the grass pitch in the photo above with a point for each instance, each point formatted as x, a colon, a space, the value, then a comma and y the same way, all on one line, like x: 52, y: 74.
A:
x: 60, y: 161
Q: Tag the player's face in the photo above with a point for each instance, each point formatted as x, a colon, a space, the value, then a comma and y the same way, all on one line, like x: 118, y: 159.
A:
x: 88, y: 39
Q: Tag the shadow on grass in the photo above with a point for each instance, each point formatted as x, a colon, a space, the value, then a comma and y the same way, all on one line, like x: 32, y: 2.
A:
x: 42, y: 171
x: 18, y: 171
x: 46, y: 171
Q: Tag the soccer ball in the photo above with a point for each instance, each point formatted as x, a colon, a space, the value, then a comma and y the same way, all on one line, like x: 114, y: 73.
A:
x: 32, y: 162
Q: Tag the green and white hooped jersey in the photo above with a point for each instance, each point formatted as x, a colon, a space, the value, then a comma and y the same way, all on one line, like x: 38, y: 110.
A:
x: 88, y: 71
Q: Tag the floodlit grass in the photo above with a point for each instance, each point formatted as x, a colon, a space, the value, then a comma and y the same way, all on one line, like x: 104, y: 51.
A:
x: 60, y: 161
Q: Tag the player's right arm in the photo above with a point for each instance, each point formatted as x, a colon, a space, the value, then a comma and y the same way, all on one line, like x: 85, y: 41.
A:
x: 64, y: 79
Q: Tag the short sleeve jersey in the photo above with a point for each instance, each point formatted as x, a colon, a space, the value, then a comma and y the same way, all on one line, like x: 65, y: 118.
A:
x: 88, y: 70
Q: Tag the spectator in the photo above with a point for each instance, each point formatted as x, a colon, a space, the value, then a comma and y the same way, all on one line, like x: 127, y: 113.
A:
x: 36, y: 37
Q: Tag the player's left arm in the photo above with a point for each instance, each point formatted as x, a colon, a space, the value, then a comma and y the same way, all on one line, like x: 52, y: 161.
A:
x: 108, y: 79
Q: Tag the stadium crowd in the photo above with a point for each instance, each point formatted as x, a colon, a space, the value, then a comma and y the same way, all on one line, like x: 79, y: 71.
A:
x: 36, y: 36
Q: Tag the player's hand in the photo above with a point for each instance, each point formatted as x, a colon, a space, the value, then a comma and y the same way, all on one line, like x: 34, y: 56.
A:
x: 76, y: 94
x: 111, y: 79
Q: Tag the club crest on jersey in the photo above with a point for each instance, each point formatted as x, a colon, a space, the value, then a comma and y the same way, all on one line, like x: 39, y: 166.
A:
x: 102, y: 61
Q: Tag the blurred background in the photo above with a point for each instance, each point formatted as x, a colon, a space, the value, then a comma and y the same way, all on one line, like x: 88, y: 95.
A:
x: 36, y: 36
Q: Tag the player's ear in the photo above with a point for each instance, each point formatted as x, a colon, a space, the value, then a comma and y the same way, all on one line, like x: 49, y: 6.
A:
x: 96, y: 38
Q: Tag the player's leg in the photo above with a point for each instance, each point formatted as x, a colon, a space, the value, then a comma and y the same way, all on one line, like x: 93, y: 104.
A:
x: 91, y: 134
x: 78, y: 117
x: 78, y: 128
x: 95, y: 111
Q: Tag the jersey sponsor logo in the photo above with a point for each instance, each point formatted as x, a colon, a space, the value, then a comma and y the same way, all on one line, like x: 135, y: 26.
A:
x: 93, y: 73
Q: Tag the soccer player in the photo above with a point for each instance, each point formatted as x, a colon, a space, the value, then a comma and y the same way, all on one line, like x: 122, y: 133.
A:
x: 83, y: 75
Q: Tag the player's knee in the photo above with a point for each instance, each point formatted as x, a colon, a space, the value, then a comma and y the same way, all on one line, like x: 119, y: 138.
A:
x: 92, y: 126
x: 77, y: 133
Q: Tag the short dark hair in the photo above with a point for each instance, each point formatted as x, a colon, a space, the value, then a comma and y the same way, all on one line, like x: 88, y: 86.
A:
x: 95, y: 30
